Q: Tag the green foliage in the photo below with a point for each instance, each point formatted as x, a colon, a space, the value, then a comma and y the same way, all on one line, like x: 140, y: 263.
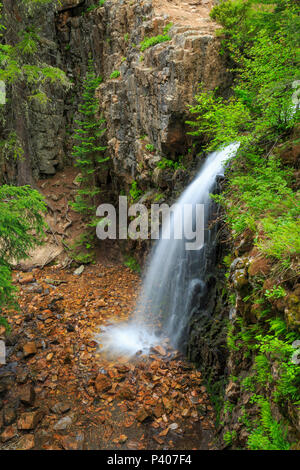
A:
x: 20, y: 62
x: 11, y: 148
x: 81, y: 249
x: 229, y: 437
x: 29, y: 42
x: 88, y: 151
x: 275, y: 293
x: 89, y: 154
x: 21, y: 229
x: 273, y: 375
x: 242, y: 20
x: 94, y: 6
x: 261, y: 104
x: 7, y: 289
x: 150, y: 147
x: 149, y: 42
x: 165, y: 163
x: 262, y: 41
x: 158, y: 197
x: 271, y: 345
x: 134, y: 191
x: 259, y: 112
x: 259, y: 197
x: 167, y: 28
x: 220, y: 121
x: 115, y: 74
x: 132, y: 264
x: 5, y: 323
x: 269, y: 434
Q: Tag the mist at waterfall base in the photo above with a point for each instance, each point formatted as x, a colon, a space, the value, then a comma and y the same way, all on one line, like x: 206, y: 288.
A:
x: 174, y: 283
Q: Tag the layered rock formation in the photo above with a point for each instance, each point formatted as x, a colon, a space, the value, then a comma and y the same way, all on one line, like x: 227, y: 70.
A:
x: 148, y: 99
x: 145, y: 106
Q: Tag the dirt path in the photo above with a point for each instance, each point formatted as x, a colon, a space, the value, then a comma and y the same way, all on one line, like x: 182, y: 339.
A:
x: 192, y: 13
x: 60, y: 393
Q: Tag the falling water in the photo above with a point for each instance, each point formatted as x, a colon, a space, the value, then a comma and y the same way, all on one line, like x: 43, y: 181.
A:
x: 175, y: 280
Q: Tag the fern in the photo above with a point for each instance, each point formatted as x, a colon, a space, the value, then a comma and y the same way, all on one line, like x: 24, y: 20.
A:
x: 269, y: 434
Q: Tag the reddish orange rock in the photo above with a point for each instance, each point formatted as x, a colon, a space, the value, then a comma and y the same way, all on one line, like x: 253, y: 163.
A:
x: 159, y: 350
x: 27, y: 394
x: 158, y: 411
x: 73, y: 442
x: 29, y: 349
x: 29, y: 420
x: 126, y: 393
x: 102, y: 383
x: 26, y: 278
x: 142, y: 414
x: 9, y: 433
x: 26, y: 442
x: 167, y: 404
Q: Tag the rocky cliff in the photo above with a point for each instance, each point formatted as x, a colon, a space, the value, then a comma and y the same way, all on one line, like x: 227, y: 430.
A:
x: 145, y: 105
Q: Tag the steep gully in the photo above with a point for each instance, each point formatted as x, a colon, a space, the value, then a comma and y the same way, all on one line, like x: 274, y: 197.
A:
x: 67, y: 396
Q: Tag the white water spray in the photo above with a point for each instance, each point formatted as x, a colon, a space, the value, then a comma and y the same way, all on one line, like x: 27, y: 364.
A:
x: 175, y: 280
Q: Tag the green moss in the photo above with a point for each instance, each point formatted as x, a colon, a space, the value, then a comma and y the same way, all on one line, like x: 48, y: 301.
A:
x: 149, y: 42
x: 132, y: 264
x: 115, y: 74
x: 150, y: 147
x: 268, y: 433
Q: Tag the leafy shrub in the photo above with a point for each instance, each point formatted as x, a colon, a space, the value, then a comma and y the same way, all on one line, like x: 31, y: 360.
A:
x: 149, y: 42
x: 165, y: 163
x: 275, y: 293
x: 150, y: 147
x: 167, y: 28
x: 21, y: 229
x: 258, y: 114
x: 269, y: 434
x: 132, y: 264
x: 115, y: 74
x: 134, y: 191
x: 88, y: 150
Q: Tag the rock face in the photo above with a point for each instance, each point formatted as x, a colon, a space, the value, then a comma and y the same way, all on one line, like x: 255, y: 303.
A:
x: 39, y: 128
x: 149, y: 99
x: 145, y: 107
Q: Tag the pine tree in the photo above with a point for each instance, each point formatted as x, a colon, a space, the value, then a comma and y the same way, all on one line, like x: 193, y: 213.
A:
x: 21, y: 229
x: 88, y: 151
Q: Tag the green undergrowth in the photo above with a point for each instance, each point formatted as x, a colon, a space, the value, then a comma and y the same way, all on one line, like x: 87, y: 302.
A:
x: 167, y: 163
x: 261, y: 113
x: 132, y: 263
x: 270, y: 344
x: 90, y: 158
x: 22, y: 228
x: 152, y: 41
x: 259, y: 198
x: 81, y: 249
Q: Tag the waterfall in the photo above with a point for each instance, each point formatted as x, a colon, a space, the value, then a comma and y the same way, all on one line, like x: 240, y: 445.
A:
x: 175, y: 279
